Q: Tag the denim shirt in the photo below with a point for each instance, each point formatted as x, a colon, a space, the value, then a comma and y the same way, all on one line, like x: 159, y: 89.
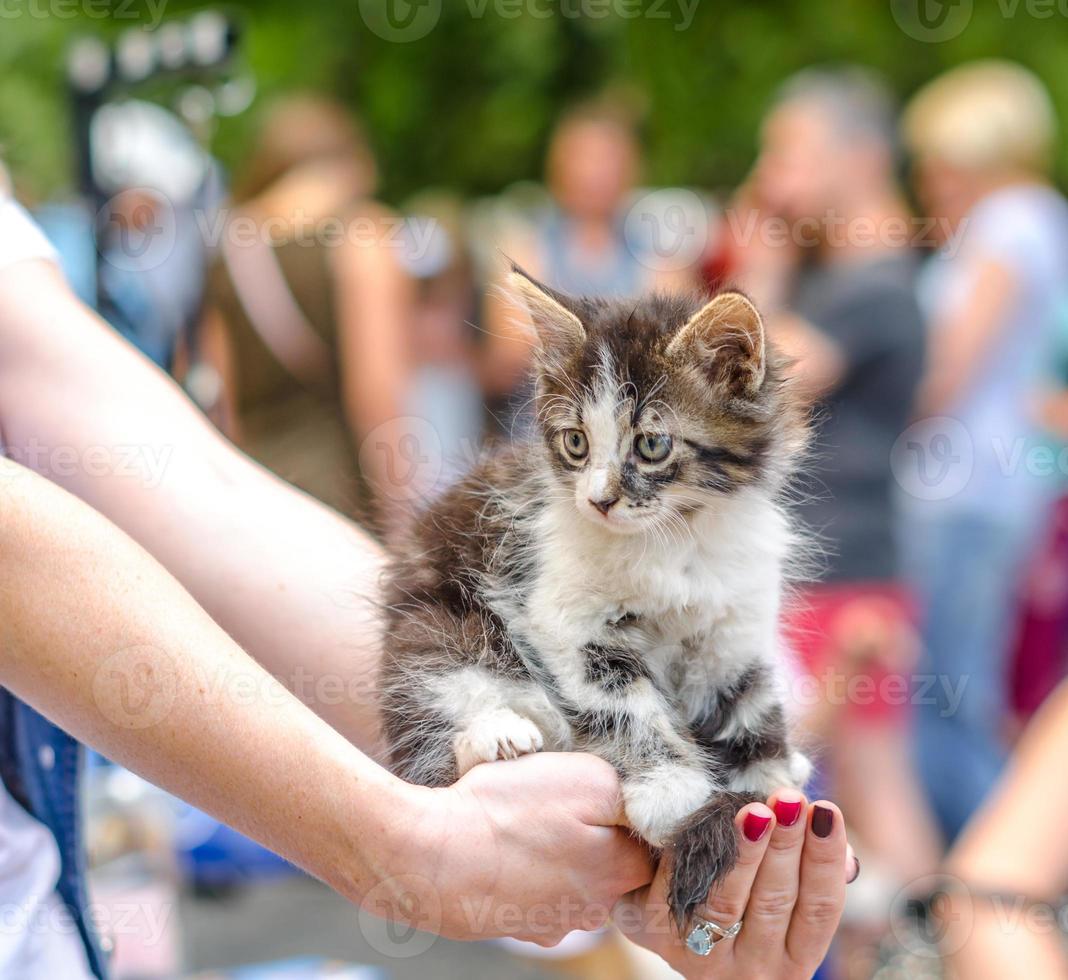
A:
x: 41, y: 767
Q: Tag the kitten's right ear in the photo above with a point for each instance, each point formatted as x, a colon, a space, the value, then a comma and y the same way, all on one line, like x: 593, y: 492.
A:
x: 558, y: 328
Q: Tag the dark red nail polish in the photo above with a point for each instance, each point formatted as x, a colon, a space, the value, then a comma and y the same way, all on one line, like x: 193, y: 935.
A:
x: 856, y: 871
x: 787, y: 812
x: 822, y: 821
x: 755, y: 826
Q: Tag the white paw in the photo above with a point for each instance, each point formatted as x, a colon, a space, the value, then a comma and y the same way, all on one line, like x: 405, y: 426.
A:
x: 769, y: 775
x: 500, y: 734
x: 656, y: 803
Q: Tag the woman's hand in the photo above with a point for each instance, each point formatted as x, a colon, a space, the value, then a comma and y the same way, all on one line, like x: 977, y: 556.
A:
x: 530, y: 848
x: 788, y: 890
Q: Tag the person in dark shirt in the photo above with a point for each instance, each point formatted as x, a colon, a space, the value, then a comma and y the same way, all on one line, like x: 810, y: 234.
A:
x: 822, y: 240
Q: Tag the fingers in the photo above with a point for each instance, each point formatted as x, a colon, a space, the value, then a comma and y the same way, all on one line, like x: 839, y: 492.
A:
x: 822, y: 887
x: 727, y: 901
x: 775, y: 887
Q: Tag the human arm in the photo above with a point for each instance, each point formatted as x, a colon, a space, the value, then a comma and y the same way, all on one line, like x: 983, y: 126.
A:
x: 289, y: 579
x: 959, y: 345
x: 375, y: 302
x: 97, y: 636
x: 1015, y: 846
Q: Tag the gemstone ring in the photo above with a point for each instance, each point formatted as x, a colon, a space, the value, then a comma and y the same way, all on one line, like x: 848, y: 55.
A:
x: 704, y: 936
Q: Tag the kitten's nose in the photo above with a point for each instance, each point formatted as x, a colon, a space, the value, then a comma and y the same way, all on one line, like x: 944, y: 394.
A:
x: 604, y: 505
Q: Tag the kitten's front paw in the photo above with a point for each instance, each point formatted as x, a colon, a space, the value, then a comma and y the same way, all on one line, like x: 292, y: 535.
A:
x: 500, y: 734
x: 657, y: 802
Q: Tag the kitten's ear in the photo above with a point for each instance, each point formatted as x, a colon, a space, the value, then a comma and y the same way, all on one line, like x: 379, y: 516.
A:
x: 727, y: 333
x: 558, y: 328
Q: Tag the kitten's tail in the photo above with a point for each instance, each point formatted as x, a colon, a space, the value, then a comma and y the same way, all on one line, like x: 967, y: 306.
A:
x: 705, y: 851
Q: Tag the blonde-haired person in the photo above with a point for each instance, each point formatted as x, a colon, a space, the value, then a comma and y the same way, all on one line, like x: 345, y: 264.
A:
x: 982, y: 139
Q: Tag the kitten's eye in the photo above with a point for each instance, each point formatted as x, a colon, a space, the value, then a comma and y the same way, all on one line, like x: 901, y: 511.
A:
x: 575, y: 443
x: 653, y: 449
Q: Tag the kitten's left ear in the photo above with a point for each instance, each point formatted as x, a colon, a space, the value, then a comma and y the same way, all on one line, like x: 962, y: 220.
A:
x: 727, y: 331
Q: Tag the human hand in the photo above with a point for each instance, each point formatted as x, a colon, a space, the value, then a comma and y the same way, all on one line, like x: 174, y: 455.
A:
x: 788, y: 889
x: 530, y: 848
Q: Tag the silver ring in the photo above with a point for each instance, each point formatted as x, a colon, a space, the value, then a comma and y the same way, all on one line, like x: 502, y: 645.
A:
x: 705, y: 936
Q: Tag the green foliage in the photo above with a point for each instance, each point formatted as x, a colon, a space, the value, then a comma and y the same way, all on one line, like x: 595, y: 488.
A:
x: 469, y: 105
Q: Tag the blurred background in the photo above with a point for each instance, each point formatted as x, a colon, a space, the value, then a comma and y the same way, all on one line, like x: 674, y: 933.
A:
x: 302, y: 212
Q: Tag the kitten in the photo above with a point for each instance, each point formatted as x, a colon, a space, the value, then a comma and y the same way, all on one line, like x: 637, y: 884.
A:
x: 614, y: 586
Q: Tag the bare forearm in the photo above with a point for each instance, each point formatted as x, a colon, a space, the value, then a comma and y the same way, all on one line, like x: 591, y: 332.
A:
x: 1015, y: 848
x: 291, y: 581
x: 100, y: 638
x: 1008, y: 845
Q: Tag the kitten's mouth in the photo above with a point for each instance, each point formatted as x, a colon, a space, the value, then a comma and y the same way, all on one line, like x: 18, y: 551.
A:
x: 612, y: 520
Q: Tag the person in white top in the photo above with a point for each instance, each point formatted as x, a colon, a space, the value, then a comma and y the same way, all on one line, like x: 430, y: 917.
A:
x: 99, y: 633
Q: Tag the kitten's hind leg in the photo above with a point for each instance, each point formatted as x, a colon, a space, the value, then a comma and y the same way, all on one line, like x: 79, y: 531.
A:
x: 705, y: 850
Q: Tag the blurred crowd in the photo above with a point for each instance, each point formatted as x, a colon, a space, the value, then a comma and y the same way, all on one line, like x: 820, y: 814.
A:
x: 912, y: 261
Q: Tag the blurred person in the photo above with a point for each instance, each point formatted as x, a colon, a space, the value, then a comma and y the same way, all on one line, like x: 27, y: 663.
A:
x: 160, y: 189
x: 309, y: 312
x: 982, y: 138
x: 445, y: 350
x: 580, y: 241
x: 101, y: 636
x: 840, y: 301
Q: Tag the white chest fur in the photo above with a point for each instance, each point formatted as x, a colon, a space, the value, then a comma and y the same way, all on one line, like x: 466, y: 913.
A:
x: 711, y: 594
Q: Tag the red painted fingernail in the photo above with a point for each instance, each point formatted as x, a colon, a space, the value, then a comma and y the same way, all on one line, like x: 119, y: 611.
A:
x: 787, y: 812
x: 755, y: 826
x: 822, y: 821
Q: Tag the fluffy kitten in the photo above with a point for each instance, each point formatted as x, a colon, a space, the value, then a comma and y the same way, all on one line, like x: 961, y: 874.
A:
x: 614, y: 586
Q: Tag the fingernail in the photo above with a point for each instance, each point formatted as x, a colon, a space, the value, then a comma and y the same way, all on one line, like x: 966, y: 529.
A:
x: 755, y: 826
x: 822, y: 821
x: 787, y: 812
x: 856, y: 871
